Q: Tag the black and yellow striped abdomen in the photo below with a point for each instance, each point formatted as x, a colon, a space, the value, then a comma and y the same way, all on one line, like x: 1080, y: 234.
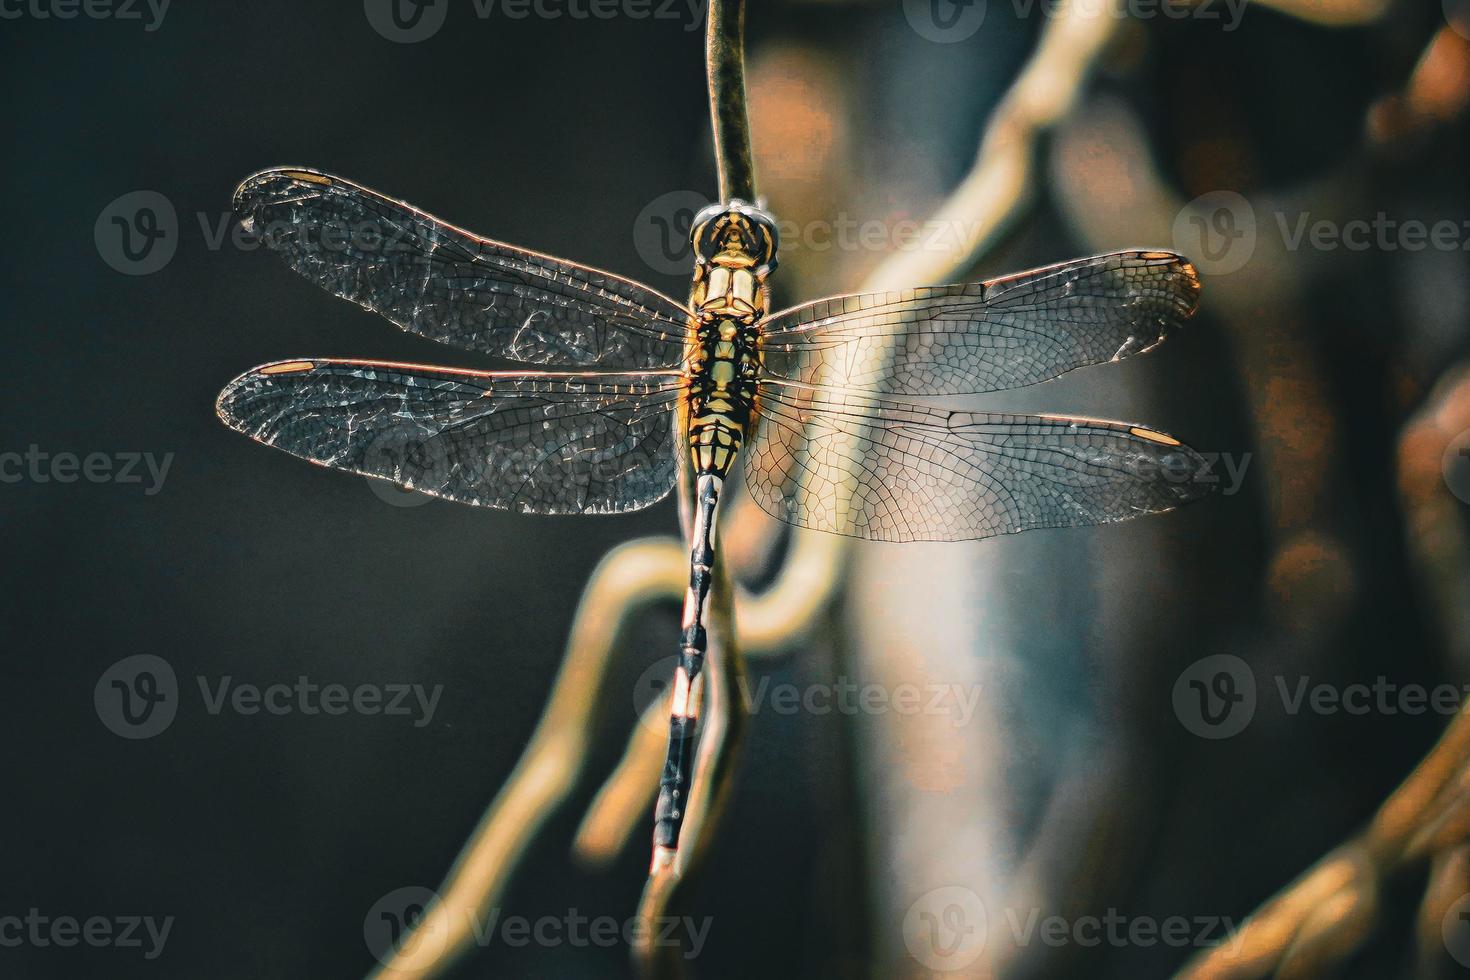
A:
x: 722, y: 379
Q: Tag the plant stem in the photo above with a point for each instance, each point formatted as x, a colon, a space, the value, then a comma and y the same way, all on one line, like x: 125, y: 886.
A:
x: 724, y: 52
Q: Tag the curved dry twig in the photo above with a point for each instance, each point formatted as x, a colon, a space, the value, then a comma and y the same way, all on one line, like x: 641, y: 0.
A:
x: 631, y: 578
x: 1323, y: 916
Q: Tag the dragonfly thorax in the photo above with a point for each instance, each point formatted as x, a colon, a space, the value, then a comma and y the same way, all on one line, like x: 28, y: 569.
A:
x: 734, y: 252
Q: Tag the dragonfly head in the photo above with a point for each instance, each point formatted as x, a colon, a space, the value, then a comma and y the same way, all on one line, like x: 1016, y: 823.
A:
x: 736, y: 236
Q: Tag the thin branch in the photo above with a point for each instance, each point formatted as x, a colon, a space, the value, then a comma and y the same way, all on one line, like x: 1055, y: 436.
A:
x: 629, y: 580
x: 724, y: 53
x: 1425, y: 820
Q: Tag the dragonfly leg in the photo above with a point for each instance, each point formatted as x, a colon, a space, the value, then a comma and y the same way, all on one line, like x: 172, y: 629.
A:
x: 673, y: 791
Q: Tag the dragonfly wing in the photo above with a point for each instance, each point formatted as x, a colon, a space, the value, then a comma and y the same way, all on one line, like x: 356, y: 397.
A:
x: 538, y: 443
x: 985, y: 336
x: 896, y: 471
x: 450, y: 285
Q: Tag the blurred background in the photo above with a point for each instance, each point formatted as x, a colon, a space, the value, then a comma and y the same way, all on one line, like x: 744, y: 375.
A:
x: 1140, y: 724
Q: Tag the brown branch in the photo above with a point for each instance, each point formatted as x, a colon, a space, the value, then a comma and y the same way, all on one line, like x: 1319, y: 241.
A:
x: 724, y: 54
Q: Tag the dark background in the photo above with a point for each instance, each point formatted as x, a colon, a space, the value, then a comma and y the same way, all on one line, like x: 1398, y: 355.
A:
x: 269, y: 838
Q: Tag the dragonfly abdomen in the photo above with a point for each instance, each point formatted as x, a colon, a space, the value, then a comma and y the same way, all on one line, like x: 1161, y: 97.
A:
x: 723, y: 375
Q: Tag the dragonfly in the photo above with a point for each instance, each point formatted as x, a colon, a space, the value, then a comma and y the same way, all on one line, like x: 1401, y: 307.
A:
x: 824, y: 409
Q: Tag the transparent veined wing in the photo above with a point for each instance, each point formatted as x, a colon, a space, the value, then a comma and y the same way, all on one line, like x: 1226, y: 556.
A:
x: 985, y: 336
x: 533, y: 442
x: 890, y: 470
x: 450, y: 285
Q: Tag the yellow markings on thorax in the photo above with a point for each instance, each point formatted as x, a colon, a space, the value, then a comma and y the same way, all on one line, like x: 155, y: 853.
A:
x: 728, y: 297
